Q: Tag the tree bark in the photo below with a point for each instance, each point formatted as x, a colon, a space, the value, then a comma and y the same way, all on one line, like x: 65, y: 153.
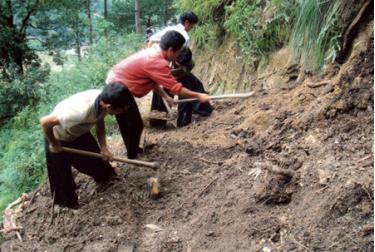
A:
x: 166, y: 2
x: 138, y: 28
x: 77, y: 36
x: 12, y: 49
x: 105, y: 16
x: 88, y: 5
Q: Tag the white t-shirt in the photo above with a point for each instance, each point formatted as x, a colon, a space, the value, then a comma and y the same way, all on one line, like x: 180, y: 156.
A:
x: 76, y: 115
x: 179, y: 28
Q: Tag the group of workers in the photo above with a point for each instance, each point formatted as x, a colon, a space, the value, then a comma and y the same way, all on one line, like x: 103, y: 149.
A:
x: 70, y: 122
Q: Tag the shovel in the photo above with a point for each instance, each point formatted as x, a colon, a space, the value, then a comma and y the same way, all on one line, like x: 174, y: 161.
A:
x: 153, y: 165
x: 219, y: 97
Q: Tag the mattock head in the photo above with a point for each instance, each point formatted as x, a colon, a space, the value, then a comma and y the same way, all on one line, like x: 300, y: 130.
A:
x: 155, y: 166
x: 154, y: 185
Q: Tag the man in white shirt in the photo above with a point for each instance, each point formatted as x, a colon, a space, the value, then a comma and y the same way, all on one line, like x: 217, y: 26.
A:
x: 69, y: 125
x: 187, y: 22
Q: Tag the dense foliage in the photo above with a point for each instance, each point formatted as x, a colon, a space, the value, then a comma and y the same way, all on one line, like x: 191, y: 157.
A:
x: 260, y: 29
x: 15, y: 54
x: 23, y: 90
x: 261, y: 26
x: 53, y: 26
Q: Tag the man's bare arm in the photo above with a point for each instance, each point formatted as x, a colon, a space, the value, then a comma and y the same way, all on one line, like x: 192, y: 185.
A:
x: 100, y: 133
x: 47, y: 123
x: 187, y: 93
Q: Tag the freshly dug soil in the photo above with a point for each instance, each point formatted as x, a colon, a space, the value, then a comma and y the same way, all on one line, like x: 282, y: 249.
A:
x: 290, y: 169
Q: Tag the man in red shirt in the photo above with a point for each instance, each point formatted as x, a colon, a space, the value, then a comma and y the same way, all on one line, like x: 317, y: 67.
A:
x: 145, y: 71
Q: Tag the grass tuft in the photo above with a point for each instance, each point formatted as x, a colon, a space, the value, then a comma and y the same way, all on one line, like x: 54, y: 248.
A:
x: 316, y: 35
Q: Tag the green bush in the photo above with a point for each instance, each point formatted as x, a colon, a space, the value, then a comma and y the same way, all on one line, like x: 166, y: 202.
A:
x: 259, y: 26
x: 23, y: 90
x: 259, y: 29
x: 21, y: 162
x: 205, y: 36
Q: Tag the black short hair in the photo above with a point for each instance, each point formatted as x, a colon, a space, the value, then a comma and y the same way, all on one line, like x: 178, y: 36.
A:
x: 188, y: 16
x: 184, y: 58
x: 116, y: 94
x: 172, y: 39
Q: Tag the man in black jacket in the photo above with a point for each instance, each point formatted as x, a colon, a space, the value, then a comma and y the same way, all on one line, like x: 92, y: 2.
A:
x: 182, y: 72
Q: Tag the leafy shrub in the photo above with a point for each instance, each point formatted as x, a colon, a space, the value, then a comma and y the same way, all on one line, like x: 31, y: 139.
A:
x: 259, y: 29
x: 259, y: 26
x: 23, y: 90
x: 205, y: 35
x: 21, y: 162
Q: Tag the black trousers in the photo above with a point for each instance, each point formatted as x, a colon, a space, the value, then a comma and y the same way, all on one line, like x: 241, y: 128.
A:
x: 131, y: 126
x: 185, y: 110
x: 60, y: 173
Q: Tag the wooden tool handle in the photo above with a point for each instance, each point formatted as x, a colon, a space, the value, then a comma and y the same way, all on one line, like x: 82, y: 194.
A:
x: 167, y: 106
x: 219, y: 97
x: 169, y: 110
x: 153, y: 165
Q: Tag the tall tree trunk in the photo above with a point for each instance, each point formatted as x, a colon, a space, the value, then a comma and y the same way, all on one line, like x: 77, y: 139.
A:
x: 88, y: 5
x: 105, y: 16
x: 166, y: 2
x: 105, y: 10
x: 77, y: 36
x: 13, y: 46
x: 14, y: 50
x: 138, y: 28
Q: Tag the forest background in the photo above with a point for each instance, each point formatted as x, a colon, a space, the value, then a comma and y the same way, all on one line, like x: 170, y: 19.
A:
x: 50, y: 49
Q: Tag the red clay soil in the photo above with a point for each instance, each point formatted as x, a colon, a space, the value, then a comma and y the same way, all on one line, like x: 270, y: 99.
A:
x: 286, y: 170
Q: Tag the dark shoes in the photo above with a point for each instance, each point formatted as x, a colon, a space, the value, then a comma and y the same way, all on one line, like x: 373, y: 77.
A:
x: 135, y: 155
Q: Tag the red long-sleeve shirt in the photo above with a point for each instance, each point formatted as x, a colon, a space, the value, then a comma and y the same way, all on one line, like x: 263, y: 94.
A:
x: 142, y: 70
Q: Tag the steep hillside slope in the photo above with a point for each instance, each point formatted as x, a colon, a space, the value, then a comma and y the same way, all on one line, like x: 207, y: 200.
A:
x: 290, y: 169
